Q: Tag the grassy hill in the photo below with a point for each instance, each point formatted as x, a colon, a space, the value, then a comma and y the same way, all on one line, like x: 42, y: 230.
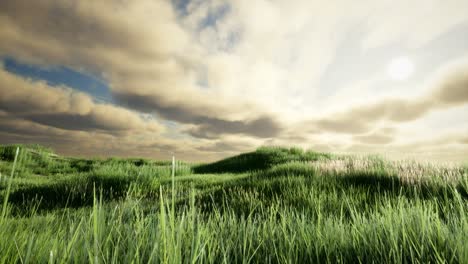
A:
x: 272, y: 205
x: 261, y: 159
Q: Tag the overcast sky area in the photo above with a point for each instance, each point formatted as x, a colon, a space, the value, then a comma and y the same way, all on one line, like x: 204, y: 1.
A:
x: 205, y: 79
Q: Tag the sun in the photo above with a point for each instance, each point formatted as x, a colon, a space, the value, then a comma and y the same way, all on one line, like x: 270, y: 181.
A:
x: 400, y: 68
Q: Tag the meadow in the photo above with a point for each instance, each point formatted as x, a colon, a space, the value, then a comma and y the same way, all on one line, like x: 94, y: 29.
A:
x: 272, y: 205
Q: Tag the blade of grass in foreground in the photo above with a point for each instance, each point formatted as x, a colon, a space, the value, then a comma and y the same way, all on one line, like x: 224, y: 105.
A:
x: 5, y: 200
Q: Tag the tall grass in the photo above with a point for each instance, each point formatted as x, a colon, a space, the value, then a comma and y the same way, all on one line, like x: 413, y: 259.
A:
x: 8, y: 190
x: 298, y: 211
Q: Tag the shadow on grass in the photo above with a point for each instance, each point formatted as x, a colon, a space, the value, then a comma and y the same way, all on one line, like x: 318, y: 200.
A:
x: 261, y: 159
x: 71, y: 193
x: 291, y: 186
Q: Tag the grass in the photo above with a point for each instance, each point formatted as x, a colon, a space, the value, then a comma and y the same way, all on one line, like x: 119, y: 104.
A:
x: 261, y: 159
x: 272, y: 205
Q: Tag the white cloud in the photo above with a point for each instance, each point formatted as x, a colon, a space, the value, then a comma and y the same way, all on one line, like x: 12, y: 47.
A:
x: 251, y: 70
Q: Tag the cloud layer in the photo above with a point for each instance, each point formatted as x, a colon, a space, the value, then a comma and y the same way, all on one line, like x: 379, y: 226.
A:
x: 213, y: 77
x: 64, y: 108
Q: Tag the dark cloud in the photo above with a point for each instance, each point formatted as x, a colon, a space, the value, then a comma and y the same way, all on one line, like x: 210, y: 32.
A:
x: 64, y: 108
x: 201, y: 115
x: 263, y: 127
x: 77, y: 122
x: 20, y: 127
x: 453, y: 89
x: 82, y: 26
x: 150, y: 103
x: 148, y: 61
x: 223, y: 146
x: 97, y: 143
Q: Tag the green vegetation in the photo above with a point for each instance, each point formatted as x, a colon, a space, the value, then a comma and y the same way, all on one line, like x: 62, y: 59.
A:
x: 261, y: 159
x: 273, y: 205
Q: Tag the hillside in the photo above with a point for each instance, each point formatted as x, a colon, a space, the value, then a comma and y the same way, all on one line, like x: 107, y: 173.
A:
x: 272, y: 205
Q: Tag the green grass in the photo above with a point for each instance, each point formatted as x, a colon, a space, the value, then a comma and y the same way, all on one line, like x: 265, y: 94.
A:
x: 261, y: 159
x: 272, y: 205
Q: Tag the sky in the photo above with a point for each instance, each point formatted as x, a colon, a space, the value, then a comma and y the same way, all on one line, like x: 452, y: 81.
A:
x: 206, y: 79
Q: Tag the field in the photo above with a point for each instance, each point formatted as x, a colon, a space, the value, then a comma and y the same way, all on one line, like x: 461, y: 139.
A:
x: 272, y: 205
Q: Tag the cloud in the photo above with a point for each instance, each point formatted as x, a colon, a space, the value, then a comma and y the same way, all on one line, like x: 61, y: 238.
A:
x: 343, y: 124
x: 229, y: 145
x: 263, y: 127
x: 389, y: 20
x: 443, y: 147
x: 207, y: 117
x: 463, y: 140
x: 19, y: 95
x: 379, y: 137
x: 84, y: 28
x: 24, y: 128
x: 65, y: 108
x: 451, y: 89
x: 362, y: 119
x: 217, y: 69
x: 101, y: 143
x: 161, y: 60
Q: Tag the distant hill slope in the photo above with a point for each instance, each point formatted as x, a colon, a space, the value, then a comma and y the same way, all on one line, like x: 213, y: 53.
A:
x: 7, y: 152
x: 40, y: 159
x: 262, y: 158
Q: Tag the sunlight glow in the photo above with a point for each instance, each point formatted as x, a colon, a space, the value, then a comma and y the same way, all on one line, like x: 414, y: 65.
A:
x: 400, y: 68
